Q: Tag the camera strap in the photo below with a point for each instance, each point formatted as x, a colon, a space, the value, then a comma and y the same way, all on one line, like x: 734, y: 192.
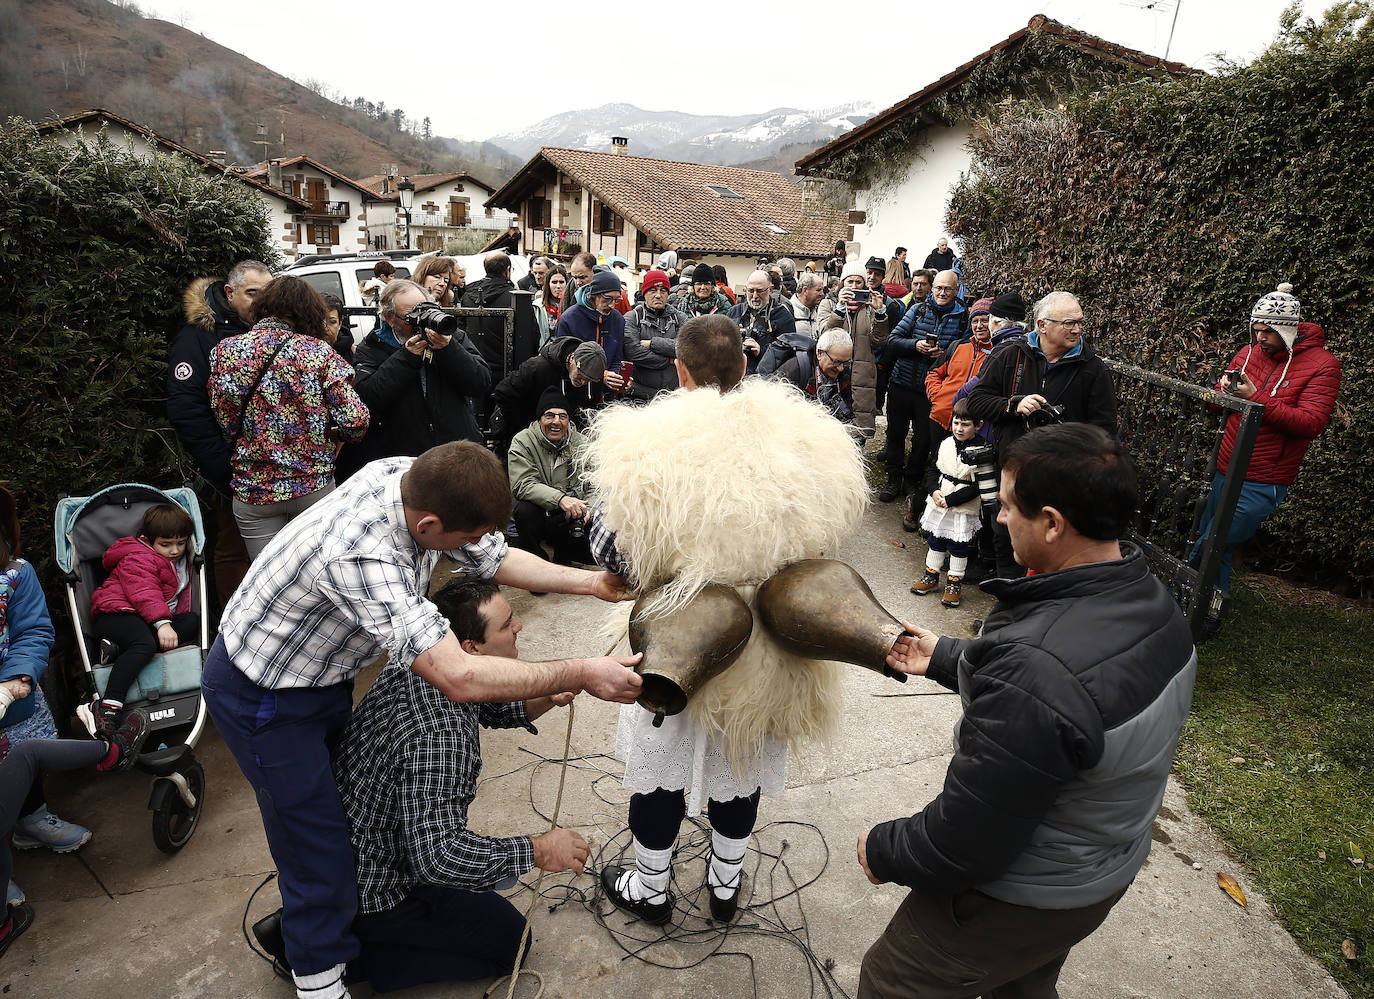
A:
x: 248, y: 398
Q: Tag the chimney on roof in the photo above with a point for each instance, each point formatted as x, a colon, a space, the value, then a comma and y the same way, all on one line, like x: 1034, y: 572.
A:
x: 620, y: 145
x: 274, y: 174
x: 219, y: 156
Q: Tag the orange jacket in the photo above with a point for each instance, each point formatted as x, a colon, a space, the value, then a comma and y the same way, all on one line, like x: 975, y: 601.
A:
x: 960, y: 363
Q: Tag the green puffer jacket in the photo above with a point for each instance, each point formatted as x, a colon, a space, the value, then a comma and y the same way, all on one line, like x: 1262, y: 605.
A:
x: 541, y: 472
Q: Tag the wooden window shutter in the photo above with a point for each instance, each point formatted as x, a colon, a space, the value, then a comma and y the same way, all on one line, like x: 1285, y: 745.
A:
x: 596, y: 217
x: 548, y: 213
x: 462, y: 213
x: 334, y: 235
x: 619, y: 224
x: 317, y: 191
x: 310, y: 232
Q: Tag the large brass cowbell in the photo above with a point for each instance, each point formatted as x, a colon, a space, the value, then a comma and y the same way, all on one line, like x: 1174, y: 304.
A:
x: 817, y: 608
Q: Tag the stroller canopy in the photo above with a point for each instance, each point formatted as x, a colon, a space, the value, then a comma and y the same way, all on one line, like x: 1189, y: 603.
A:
x: 71, y: 509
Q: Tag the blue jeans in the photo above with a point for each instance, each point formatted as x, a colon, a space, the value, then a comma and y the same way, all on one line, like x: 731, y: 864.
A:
x: 283, y: 741
x: 1257, y: 501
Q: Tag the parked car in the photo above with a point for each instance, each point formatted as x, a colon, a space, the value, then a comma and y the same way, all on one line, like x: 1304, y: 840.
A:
x: 343, y: 274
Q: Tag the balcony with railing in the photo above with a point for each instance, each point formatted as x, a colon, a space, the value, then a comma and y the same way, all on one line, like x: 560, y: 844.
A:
x: 330, y: 209
x: 556, y: 242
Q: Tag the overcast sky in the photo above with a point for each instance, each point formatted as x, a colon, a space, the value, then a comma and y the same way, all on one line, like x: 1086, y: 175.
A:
x: 556, y: 57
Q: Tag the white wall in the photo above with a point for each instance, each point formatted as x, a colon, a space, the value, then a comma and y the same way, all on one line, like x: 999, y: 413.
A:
x: 912, y: 213
x: 281, y: 225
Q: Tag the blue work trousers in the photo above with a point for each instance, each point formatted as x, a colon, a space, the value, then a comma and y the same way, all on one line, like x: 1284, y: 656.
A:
x: 1257, y: 501
x: 283, y: 740
x: 440, y: 934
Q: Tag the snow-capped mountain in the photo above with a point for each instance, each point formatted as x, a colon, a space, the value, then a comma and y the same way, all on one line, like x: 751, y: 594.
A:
x: 677, y: 135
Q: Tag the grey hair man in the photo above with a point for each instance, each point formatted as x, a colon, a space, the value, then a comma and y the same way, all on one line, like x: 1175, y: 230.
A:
x: 534, y: 280
x: 213, y: 310
x: 1052, y: 376
x: 806, y: 303
x: 788, y: 266
x: 761, y: 318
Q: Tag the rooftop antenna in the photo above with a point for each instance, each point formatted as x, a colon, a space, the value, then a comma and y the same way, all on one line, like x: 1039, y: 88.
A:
x: 1163, y: 7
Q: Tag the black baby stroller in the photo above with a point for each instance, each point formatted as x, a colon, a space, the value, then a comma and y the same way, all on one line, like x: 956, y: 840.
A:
x: 168, y: 688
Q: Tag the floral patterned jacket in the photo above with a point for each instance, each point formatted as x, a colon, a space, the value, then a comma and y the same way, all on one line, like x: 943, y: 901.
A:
x: 283, y: 450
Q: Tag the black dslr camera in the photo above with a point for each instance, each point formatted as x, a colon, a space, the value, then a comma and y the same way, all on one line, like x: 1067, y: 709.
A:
x: 430, y: 318
x: 1046, y: 416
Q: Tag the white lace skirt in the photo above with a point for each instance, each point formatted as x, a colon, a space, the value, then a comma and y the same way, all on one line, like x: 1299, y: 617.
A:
x: 680, y: 755
x: 952, y: 524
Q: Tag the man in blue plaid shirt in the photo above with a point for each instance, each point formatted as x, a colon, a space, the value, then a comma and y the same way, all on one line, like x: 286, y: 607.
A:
x: 341, y: 585
x: 407, y: 769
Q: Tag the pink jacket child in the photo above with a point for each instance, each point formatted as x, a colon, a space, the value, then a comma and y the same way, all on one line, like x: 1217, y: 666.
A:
x: 144, y: 605
x: 141, y: 582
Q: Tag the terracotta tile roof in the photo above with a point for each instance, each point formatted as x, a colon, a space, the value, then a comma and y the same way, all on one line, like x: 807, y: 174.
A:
x: 422, y: 182
x: 815, y: 162
x: 260, y: 170
x: 100, y: 114
x: 669, y: 200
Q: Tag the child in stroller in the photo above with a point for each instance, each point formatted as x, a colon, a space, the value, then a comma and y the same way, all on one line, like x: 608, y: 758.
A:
x: 141, y: 606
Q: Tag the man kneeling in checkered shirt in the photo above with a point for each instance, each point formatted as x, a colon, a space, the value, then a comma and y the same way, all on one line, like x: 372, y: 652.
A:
x: 342, y: 584
x: 407, y: 769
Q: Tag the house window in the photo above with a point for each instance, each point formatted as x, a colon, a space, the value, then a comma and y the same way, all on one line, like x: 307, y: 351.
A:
x: 724, y: 192
x: 539, y: 211
x: 457, y: 213
x: 321, y: 235
x: 605, y: 221
x: 316, y: 191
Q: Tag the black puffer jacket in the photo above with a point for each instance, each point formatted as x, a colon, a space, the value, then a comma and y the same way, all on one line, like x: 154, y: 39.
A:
x: 1074, y: 698
x: 209, y: 319
x: 415, y: 404
x: 489, y: 332
x: 518, y: 395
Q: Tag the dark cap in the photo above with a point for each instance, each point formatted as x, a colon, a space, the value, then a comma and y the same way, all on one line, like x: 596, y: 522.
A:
x: 591, y: 360
x: 1010, y: 305
x: 876, y: 264
x: 603, y: 282
x: 553, y: 399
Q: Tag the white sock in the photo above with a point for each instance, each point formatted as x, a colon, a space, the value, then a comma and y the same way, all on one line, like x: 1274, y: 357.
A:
x: 653, y: 870
x: 957, y: 566
x: 325, y: 985
x: 726, y: 869
x: 935, y: 561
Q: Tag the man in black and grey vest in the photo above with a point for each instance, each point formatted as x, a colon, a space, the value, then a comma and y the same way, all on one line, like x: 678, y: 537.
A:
x: 1074, y: 697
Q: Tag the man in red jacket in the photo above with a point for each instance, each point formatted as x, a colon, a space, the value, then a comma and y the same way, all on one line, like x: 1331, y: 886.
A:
x: 1290, y: 372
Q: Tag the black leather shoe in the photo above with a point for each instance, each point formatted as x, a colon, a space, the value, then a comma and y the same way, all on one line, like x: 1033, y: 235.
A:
x: 723, y: 909
x: 655, y: 913
x: 891, y: 491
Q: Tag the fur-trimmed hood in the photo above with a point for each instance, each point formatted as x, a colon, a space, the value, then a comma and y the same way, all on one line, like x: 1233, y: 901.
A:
x: 205, y: 306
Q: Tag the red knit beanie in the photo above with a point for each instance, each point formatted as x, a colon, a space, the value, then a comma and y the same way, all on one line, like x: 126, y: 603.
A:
x: 655, y: 279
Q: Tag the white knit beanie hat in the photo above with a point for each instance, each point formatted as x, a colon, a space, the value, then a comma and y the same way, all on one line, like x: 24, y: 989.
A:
x: 1280, y: 311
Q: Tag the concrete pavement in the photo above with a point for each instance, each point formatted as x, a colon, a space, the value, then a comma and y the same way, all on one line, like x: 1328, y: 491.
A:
x: 120, y: 918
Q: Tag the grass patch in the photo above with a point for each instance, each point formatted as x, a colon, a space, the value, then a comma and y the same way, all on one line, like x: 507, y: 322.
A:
x: 1290, y: 689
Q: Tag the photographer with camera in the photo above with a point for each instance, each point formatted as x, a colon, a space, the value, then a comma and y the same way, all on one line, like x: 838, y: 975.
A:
x: 1052, y: 376
x: 546, y: 481
x: 415, y: 371
x: 761, y: 319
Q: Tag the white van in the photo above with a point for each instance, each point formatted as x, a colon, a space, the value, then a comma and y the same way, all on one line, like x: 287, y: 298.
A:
x: 343, y: 274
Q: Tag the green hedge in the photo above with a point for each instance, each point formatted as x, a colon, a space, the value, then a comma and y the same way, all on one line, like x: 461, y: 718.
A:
x: 96, y: 246
x: 1170, y: 207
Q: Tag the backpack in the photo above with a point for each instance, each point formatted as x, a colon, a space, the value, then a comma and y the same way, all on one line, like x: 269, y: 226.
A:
x: 785, y: 347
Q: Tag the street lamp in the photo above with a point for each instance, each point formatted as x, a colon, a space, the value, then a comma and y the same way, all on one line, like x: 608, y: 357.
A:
x: 405, y: 193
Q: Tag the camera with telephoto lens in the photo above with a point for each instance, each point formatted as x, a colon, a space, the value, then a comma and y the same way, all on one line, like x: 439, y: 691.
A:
x: 430, y: 318
x: 1046, y: 416
x: 983, y: 458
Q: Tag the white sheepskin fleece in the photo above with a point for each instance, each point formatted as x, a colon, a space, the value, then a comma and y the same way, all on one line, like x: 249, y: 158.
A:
x: 704, y: 488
